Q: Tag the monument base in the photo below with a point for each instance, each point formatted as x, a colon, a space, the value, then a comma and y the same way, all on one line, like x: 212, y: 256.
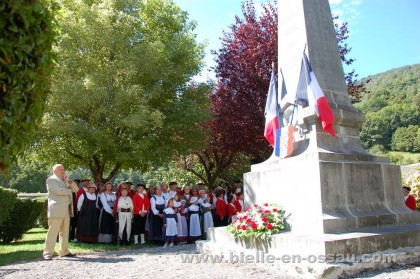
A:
x: 320, y: 256
x: 331, y: 193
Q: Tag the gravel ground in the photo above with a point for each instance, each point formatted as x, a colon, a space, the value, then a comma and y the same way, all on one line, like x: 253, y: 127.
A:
x: 157, y: 262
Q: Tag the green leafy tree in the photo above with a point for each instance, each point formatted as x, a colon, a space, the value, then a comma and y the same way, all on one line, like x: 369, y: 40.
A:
x: 396, y: 86
x: 121, y: 97
x: 378, y: 150
x: 27, y: 176
x: 173, y: 171
x: 391, y: 104
x: 381, y: 125
x: 406, y: 139
x: 213, y: 170
x: 27, y: 33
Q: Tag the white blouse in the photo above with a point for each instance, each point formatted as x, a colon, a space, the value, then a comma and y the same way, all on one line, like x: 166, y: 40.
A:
x: 105, y: 198
x: 90, y: 196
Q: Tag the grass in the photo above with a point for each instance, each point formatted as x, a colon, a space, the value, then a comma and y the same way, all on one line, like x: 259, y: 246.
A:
x: 30, y: 247
x: 404, y: 158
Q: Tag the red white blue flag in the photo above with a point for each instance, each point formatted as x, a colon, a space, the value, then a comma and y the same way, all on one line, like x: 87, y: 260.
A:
x: 270, y: 113
x: 315, y: 96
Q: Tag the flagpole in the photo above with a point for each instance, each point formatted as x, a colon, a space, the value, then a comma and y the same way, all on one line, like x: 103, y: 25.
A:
x: 277, y: 97
x: 279, y: 117
x: 296, y: 99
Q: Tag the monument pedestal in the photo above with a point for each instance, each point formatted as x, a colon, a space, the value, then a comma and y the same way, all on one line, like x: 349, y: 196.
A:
x: 330, y: 192
x: 297, y: 256
x: 345, y: 213
x: 336, y: 203
x: 338, y: 198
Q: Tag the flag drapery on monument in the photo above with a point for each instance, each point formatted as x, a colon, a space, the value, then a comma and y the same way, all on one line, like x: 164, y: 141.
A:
x: 271, y: 112
x: 315, y: 95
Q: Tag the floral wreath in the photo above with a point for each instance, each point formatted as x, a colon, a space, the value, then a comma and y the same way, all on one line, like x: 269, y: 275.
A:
x: 260, y: 221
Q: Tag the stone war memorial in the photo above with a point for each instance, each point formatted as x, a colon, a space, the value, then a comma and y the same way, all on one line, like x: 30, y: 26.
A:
x: 338, y: 198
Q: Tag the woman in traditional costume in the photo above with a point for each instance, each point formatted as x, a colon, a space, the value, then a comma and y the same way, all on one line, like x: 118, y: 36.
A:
x: 88, y: 222
x: 107, y: 220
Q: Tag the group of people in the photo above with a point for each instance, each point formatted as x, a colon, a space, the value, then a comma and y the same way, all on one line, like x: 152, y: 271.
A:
x: 165, y: 213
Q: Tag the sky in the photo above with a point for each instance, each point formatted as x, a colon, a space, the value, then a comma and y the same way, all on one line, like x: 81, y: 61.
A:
x: 384, y: 34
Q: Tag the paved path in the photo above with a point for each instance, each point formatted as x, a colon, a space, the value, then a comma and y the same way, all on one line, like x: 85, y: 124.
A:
x: 157, y: 262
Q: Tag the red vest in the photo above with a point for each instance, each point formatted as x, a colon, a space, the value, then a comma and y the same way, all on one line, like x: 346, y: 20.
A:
x: 231, y: 209
x: 221, y: 210
x: 139, y: 202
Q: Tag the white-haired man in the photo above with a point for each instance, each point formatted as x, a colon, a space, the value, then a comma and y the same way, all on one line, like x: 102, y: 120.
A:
x: 60, y: 208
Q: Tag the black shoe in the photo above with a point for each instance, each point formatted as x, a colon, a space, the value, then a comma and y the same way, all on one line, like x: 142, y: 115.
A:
x: 70, y: 255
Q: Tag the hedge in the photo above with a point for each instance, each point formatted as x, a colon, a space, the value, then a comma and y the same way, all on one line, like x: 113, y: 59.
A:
x: 7, y: 201
x: 22, y: 217
x: 42, y: 218
x: 27, y: 34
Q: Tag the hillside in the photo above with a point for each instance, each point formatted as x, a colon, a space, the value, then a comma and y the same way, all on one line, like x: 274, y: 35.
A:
x: 396, y: 86
x: 392, y: 110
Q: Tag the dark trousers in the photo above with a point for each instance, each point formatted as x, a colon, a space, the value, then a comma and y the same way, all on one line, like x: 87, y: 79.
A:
x: 73, y: 225
x: 139, y: 224
x: 219, y: 222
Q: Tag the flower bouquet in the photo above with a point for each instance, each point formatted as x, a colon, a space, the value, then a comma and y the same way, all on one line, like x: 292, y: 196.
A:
x: 259, y: 221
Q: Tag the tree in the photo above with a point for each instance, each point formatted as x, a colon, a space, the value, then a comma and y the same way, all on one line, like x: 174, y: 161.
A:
x: 406, y: 139
x: 354, y: 87
x: 27, y: 33
x: 238, y: 100
x: 243, y: 71
x: 120, y: 94
x: 170, y: 172
x: 380, y: 126
x: 27, y: 176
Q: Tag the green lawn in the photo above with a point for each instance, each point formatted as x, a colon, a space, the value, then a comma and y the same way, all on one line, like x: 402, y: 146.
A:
x: 31, y: 245
x: 404, y: 158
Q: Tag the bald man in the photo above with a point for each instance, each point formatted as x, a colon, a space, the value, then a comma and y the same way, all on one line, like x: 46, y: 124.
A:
x: 60, y: 208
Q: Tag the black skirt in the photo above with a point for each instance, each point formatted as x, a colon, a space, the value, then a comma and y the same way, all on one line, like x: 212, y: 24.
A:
x: 88, y: 222
x: 107, y: 223
x: 155, y: 226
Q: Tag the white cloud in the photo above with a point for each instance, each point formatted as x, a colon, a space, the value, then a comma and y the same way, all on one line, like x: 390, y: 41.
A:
x: 347, y: 10
x: 337, y: 12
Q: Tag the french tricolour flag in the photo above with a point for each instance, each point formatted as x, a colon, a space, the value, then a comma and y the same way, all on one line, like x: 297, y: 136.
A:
x: 316, y: 97
x: 271, y: 117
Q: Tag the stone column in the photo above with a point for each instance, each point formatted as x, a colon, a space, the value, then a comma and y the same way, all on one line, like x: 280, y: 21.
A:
x: 331, y: 185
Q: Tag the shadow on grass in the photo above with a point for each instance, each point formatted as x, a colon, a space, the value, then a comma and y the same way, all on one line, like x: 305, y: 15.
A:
x: 17, y: 256
x: 37, y: 231
x: 27, y: 242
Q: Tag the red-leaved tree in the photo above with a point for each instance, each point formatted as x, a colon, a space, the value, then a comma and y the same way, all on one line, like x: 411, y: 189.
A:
x: 243, y: 71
